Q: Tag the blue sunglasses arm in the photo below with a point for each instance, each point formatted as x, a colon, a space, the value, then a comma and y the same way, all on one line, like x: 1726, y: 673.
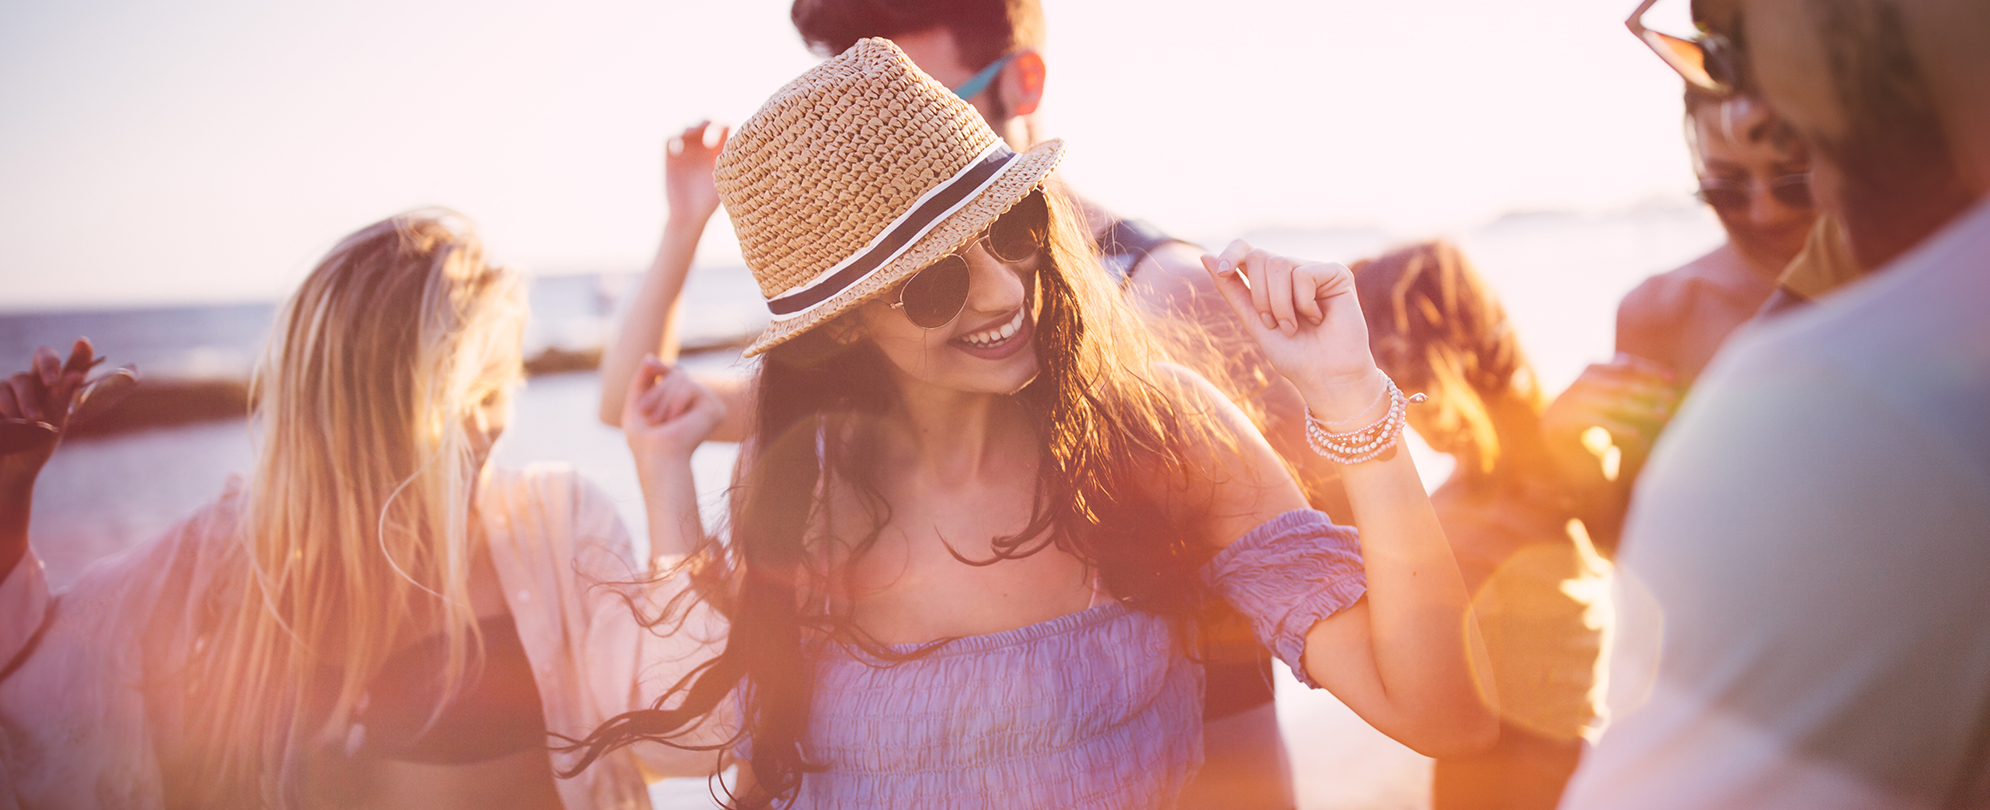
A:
x: 980, y: 81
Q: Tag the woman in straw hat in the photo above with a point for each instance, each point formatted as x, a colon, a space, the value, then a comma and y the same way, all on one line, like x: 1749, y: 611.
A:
x: 378, y: 617
x: 977, y: 513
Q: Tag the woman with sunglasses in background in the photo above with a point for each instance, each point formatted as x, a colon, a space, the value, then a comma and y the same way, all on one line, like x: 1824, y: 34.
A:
x: 377, y: 617
x: 1755, y: 175
x: 976, y: 512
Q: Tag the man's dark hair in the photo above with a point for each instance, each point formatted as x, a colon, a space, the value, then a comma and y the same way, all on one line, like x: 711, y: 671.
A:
x: 984, y: 30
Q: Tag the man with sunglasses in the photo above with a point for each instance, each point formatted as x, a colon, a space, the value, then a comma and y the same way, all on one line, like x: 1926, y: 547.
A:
x: 1815, y: 529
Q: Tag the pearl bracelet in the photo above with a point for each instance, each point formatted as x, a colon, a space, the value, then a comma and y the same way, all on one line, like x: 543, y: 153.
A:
x: 1363, y: 444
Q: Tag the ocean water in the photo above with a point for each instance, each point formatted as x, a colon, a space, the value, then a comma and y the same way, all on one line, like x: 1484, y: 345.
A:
x: 1559, y: 276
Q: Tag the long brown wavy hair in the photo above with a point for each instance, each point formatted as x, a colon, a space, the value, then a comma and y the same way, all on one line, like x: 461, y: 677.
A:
x: 1435, y: 326
x: 1103, y: 427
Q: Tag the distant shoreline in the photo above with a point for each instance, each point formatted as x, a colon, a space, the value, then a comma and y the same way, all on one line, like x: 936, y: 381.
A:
x: 172, y: 402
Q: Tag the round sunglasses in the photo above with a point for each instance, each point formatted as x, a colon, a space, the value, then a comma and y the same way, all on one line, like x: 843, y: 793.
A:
x: 1731, y: 195
x: 935, y: 295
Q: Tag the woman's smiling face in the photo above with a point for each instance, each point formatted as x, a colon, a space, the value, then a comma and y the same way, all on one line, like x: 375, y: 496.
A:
x: 989, y: 348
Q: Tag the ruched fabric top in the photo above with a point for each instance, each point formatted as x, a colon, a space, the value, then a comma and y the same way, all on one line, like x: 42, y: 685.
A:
x: 1095, y: 709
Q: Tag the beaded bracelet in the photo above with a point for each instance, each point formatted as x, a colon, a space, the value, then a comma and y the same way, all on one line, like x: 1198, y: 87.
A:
x: 1364, y: 444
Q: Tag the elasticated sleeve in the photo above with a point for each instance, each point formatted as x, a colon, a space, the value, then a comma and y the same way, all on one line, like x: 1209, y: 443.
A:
x: 1286, y: 574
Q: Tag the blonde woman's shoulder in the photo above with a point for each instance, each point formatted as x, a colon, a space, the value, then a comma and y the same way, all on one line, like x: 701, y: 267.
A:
x: 551, y: 512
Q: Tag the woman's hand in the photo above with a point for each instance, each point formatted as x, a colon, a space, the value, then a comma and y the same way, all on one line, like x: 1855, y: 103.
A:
x: 667, y: 414
x: 34, y: 410
x: 1307, y: 318
x: 688, y: 161
x: 649, y: 321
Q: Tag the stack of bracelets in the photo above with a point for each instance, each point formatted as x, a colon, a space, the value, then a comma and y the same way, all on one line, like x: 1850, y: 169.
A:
x: 1364, y: 444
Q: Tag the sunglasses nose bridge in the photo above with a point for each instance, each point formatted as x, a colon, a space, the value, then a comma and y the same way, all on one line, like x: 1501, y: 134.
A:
x: 993, y: 285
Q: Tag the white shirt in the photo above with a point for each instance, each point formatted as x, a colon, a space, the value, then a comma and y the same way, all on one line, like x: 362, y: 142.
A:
x: 1815, y: 527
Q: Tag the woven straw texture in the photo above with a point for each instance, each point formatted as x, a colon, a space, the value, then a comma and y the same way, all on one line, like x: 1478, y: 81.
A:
x: 838, y: 154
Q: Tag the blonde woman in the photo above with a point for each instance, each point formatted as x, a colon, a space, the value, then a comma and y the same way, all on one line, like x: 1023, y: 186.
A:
x: 377, y: 617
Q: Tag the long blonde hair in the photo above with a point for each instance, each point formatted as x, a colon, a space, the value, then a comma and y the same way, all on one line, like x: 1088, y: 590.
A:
x: 355, y: 538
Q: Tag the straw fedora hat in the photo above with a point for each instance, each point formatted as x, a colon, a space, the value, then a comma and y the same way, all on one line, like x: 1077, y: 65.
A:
x: 857, y: 175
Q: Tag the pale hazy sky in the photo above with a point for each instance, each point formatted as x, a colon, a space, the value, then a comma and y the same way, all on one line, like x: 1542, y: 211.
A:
x: 201, y: 150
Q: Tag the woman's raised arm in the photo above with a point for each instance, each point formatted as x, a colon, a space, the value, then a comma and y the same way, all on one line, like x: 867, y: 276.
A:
x: 649, y: 319
x: 34, y: 410
x: 1403, y: 656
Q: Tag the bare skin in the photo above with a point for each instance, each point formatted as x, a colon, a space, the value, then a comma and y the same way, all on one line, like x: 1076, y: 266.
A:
x: 1680, y: 318
x: 1493, y: 521
x: 523, y: 780
x: 1672, y: 325
x: 1246, y: 760
x: 1399, y: 657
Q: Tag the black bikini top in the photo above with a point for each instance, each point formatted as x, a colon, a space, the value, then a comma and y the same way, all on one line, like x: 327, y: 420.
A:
x: 495, y: 714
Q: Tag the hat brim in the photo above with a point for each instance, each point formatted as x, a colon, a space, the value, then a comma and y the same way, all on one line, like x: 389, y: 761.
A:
x: 1023, y: 175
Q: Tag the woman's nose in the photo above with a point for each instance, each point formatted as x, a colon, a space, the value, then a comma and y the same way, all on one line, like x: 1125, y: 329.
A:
x: 993, y: 286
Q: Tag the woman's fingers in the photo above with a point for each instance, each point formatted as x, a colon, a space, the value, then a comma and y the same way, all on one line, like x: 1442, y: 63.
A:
x: 10, y: 408
x: 1309, y: 287
x: 1249, y: 264
x: 1273, y: 291
x: 1230, y: 284
x: 1279, y: 292
x: 1254, y: 269
x: 27, y: 401
x: 640, y: 383
x: 48, y: 366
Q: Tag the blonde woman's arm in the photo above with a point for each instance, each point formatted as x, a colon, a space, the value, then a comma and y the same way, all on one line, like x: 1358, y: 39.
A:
x: 666, y: 414
x: 1402, y: 656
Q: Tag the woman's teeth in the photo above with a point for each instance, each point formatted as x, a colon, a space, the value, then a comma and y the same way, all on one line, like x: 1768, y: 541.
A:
x: 991, y: 338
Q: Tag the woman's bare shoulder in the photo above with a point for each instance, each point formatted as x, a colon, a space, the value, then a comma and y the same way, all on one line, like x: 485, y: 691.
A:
x: 1231, y: 476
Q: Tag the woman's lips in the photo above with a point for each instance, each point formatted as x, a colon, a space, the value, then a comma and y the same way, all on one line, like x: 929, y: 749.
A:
x: 1015, y: 343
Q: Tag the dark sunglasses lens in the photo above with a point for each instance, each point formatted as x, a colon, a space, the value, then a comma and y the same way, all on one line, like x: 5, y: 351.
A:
x: 1019, y: 233
x: 1724, y: 199
x: 936, y: 294
x: 1794, y: 192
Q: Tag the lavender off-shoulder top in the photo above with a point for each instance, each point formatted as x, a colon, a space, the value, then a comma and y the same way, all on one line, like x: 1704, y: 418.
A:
x: 1095, y: 709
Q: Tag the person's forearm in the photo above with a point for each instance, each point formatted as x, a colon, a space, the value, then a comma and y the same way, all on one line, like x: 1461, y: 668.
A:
x: 670, y: 496
x: 649, y: 320
x: 1418, y: 606
x: 14, y: 509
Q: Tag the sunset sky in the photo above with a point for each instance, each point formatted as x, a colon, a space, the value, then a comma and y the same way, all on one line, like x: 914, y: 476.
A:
x: 203, y: 150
